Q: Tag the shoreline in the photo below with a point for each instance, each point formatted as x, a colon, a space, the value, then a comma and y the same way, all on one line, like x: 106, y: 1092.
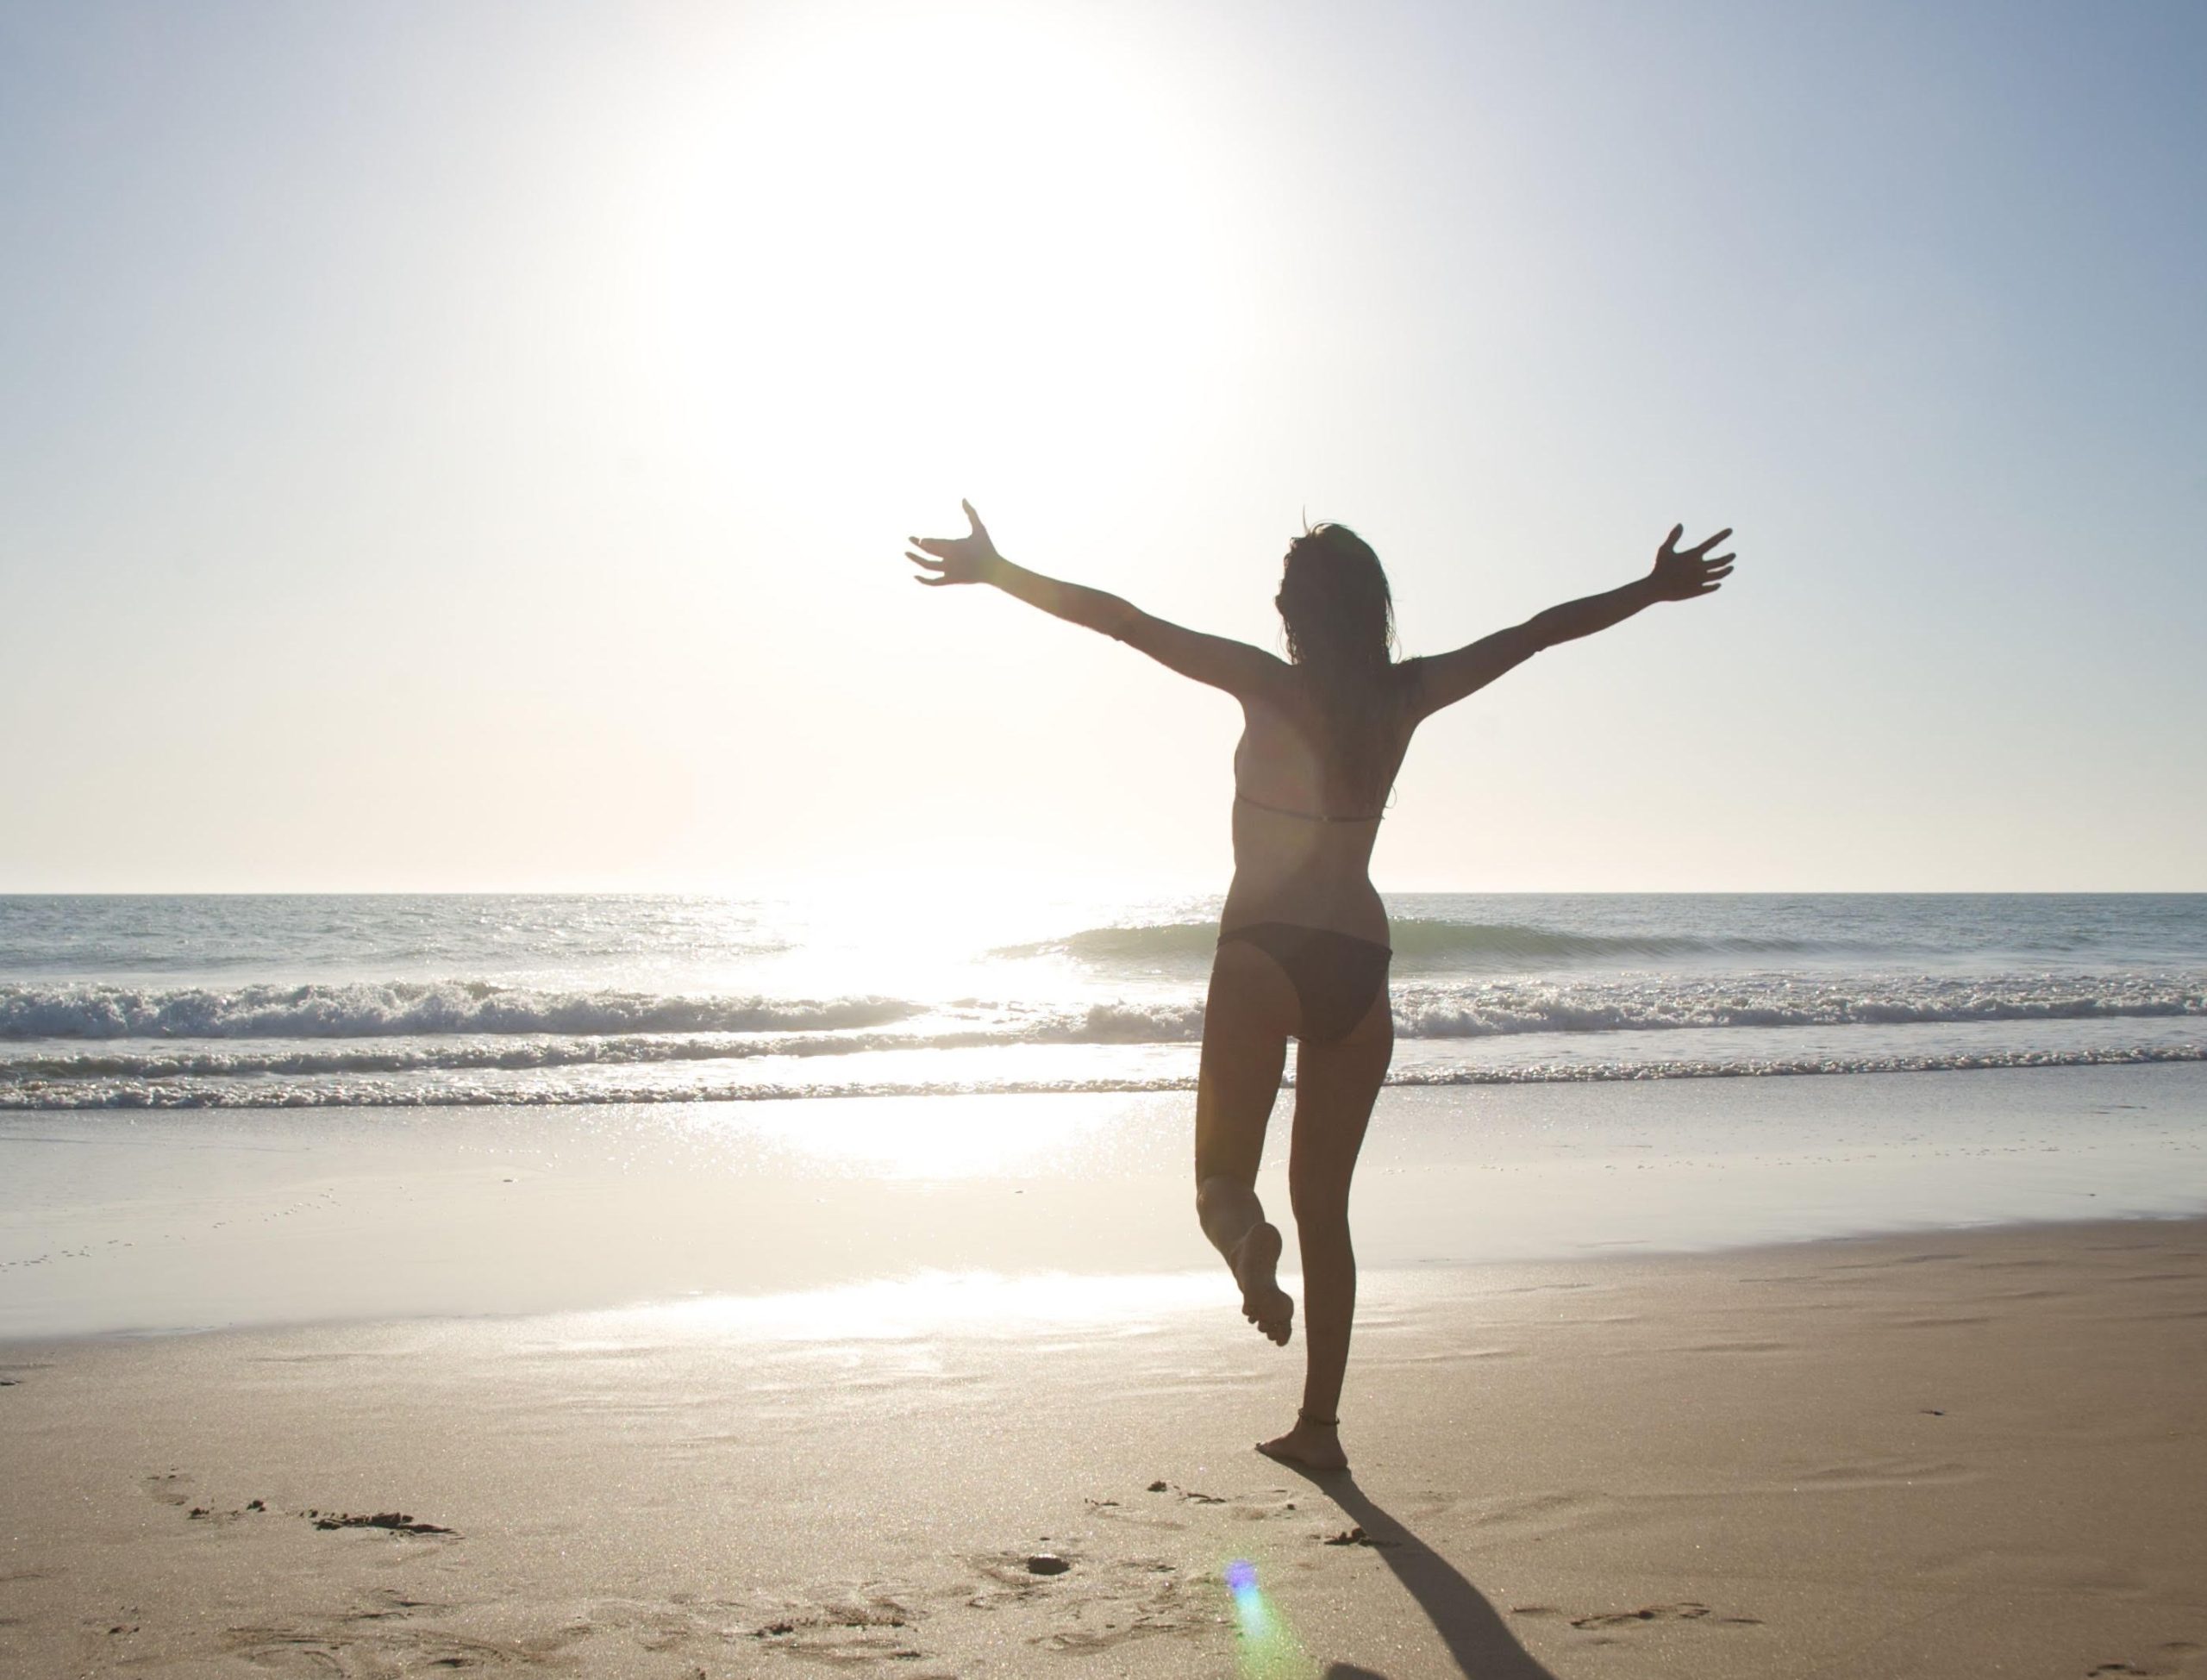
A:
x: 1938, y: 1454
x: 162, y: 1223
x: 938, y: 1303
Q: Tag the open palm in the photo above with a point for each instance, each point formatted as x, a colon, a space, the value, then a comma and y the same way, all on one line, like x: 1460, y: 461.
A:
x: 1680, y: 574
x: 964, y: 559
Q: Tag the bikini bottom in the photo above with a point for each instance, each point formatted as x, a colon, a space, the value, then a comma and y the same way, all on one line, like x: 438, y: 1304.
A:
x: 1335, y: 976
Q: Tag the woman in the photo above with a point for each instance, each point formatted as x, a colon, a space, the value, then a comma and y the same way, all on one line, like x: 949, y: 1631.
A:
x: 1302, y: 940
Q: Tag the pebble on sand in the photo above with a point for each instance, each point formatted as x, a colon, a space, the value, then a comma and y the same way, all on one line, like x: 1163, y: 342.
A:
x: 1047, y: 1562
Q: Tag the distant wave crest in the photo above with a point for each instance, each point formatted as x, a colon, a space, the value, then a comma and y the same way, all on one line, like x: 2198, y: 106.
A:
x: 1430, y: 942
x: 406, y: 1009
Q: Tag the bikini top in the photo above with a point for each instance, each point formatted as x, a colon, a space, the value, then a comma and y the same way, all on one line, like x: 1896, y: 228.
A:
x: 1305, y: 816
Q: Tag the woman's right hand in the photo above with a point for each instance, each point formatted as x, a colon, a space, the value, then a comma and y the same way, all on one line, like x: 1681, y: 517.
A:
x: 968, y: 559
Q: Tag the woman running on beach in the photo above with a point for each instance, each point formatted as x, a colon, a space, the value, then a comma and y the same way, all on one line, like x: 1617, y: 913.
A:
x: 1303, y: 948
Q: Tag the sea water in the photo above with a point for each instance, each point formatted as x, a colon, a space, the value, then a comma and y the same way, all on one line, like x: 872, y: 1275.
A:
x: 385, y: 1001
x: 225, y: 1110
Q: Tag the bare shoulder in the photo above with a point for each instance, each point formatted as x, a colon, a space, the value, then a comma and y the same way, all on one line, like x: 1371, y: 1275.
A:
x: 1219, y: 661
x: 1439, y: 680
x: 1413, y: 682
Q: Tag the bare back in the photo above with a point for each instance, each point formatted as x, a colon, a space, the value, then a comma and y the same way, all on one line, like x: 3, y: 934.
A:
x: 1295, y: 860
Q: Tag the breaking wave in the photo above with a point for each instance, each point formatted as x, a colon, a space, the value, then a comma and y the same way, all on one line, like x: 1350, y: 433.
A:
x: 411, y: 1043
x: 645, y: 1026
x: 405, y: 1009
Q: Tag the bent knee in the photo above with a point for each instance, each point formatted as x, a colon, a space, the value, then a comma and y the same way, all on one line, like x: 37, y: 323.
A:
x: 1215, y: 1190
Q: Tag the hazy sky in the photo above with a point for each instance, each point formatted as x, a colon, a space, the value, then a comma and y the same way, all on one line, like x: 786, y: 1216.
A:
x: 469, y: 444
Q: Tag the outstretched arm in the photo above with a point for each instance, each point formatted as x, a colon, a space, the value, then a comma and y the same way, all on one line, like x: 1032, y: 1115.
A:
x: 1223, y: 664
x: 1680, y: 574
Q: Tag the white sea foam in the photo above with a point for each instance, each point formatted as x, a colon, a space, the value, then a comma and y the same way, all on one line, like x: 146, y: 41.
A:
x: 312, y: 1001
x: 157, y: 1093
x: 649, y: 1027
x: 405, y: 1008
x: 1770, y: 1001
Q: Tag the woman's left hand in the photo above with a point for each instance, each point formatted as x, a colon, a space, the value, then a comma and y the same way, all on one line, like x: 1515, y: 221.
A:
x: 966, y: 559
x: 1680, y: 574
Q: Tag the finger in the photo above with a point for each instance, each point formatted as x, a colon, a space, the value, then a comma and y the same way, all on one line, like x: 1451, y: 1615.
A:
x: 1704, y: 546
x: 1671, y: 541
x: 933, y: 545
x: 931, y: 583
x: 1708, y: 589
x: 1720, y: 559
x: 974, y: 520
x: 922, y: 560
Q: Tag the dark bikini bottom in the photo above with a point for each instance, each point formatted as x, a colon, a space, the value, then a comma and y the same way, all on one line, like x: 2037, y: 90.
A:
x: 1335, y: 976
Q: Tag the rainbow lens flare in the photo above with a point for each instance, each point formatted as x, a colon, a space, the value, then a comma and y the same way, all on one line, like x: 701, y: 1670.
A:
x: 1268, y: 1651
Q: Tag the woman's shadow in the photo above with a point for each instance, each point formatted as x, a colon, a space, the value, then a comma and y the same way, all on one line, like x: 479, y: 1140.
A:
x: 1469, y: 1625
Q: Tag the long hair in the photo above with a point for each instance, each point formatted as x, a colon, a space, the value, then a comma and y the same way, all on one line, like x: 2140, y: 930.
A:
x: 1339, y: 616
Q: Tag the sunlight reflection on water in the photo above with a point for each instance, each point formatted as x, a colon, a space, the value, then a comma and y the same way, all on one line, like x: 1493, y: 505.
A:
x: 937, y: 1303
x: 920, y: 1138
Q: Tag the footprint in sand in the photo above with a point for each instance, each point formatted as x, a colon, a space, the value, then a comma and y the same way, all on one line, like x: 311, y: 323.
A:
x: 1267, y: 1503
x: 1356, y: 1536
x: 170, y: 1487
x: 393, y: 1522
x: 1242, y: 1507
x: 329, y: 1646
x: 1680, y: 1612
x: 208, y: 1513
x: 387, y: 1605
x: 865, y: 1626
x: 1124, y: 1600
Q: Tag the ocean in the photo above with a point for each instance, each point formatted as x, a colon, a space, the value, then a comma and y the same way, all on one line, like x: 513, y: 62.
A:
x: 118, y: 1003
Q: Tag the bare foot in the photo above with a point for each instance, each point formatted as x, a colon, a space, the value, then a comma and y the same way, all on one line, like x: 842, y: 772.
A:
x: 1315, y: 1446
x: 1256, y: 1268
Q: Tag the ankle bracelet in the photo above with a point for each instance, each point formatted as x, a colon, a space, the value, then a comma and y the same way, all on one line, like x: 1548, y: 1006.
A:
x: 1318, y: 1422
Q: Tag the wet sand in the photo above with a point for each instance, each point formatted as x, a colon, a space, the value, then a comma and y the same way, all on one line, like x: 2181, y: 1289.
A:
x: 114, y: 1221
x: 1935, y: 1455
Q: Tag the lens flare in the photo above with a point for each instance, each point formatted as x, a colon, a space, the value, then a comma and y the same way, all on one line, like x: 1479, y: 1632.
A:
x: 1268, y: 1650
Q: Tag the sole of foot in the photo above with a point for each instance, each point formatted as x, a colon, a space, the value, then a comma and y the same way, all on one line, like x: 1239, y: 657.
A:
x: 1256, y: 1268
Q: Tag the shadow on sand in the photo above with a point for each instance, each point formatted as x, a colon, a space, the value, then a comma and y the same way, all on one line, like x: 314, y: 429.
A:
x: 1469, y: 1625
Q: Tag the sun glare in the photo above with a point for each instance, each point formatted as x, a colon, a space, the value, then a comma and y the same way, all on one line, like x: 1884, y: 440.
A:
x: 921, y: 1304
x: 922, y: 240
x: 924, y: 1139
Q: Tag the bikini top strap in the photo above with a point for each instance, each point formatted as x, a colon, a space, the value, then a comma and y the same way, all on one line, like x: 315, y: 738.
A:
x: 1241, y: 798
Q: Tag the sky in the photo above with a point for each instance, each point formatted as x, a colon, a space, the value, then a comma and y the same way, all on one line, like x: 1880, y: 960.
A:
x: 469, y: 446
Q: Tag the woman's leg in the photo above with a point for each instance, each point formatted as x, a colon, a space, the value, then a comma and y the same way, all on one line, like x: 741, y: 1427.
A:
x: 1335, y: 1085
x: 1251, y: 1010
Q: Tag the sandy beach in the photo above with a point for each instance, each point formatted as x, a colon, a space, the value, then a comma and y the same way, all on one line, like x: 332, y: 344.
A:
x: 1937, y: 1455
x: 1876, y: 1374
x: 772, y: 768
